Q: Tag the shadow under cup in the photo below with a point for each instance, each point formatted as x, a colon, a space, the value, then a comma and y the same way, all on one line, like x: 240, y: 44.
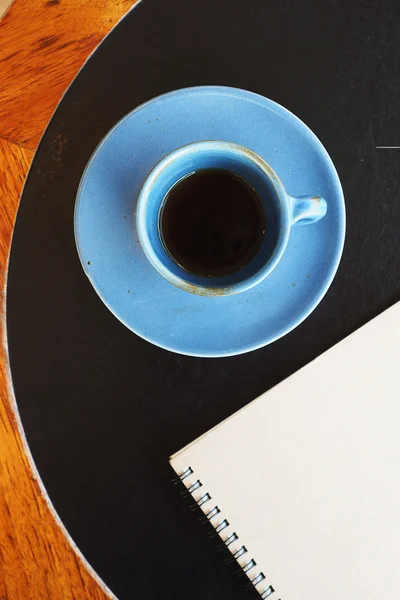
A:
x: 206, y: 156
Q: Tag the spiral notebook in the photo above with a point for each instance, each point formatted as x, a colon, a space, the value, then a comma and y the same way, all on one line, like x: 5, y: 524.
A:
x: 303, y: 484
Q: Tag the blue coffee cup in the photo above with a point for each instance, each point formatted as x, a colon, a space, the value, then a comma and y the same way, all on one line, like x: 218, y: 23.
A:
x: 283, y: 211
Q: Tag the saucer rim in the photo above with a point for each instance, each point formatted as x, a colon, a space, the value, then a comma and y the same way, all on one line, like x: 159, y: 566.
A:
x: 341, y: 231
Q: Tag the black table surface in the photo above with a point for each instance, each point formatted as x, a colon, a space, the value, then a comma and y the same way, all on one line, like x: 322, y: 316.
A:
x: 103, y: 409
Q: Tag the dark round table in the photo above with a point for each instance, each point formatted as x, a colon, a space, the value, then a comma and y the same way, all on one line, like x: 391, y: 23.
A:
x: 103, y: 409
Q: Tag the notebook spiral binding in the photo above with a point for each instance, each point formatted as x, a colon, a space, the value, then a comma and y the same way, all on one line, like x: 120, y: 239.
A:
x: 210, y: 512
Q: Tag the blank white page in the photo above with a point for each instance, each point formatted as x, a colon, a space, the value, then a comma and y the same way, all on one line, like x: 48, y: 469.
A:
x: 308, y: 475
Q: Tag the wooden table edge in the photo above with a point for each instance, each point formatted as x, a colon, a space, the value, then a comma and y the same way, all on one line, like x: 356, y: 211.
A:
x: 38, y: 557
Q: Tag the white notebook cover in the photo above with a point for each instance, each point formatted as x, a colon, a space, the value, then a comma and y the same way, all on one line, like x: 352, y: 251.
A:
x: 308, y: 475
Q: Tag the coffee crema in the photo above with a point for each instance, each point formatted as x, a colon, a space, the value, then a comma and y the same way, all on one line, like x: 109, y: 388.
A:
x: 212, y: 222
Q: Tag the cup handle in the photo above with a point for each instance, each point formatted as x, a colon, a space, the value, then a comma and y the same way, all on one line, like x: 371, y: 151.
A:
x: 307, y: 209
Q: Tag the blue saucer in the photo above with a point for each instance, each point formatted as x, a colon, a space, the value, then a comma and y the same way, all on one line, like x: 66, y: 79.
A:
x: 131, y: 288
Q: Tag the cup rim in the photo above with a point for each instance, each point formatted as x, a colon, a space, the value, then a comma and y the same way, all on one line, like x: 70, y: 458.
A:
x: 180, y: 282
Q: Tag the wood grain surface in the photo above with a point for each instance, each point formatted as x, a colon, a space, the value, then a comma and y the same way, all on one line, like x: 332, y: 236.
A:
x: 43, y: 43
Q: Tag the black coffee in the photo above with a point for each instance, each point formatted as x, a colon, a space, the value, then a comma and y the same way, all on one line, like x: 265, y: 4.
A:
x: 212, y: 222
